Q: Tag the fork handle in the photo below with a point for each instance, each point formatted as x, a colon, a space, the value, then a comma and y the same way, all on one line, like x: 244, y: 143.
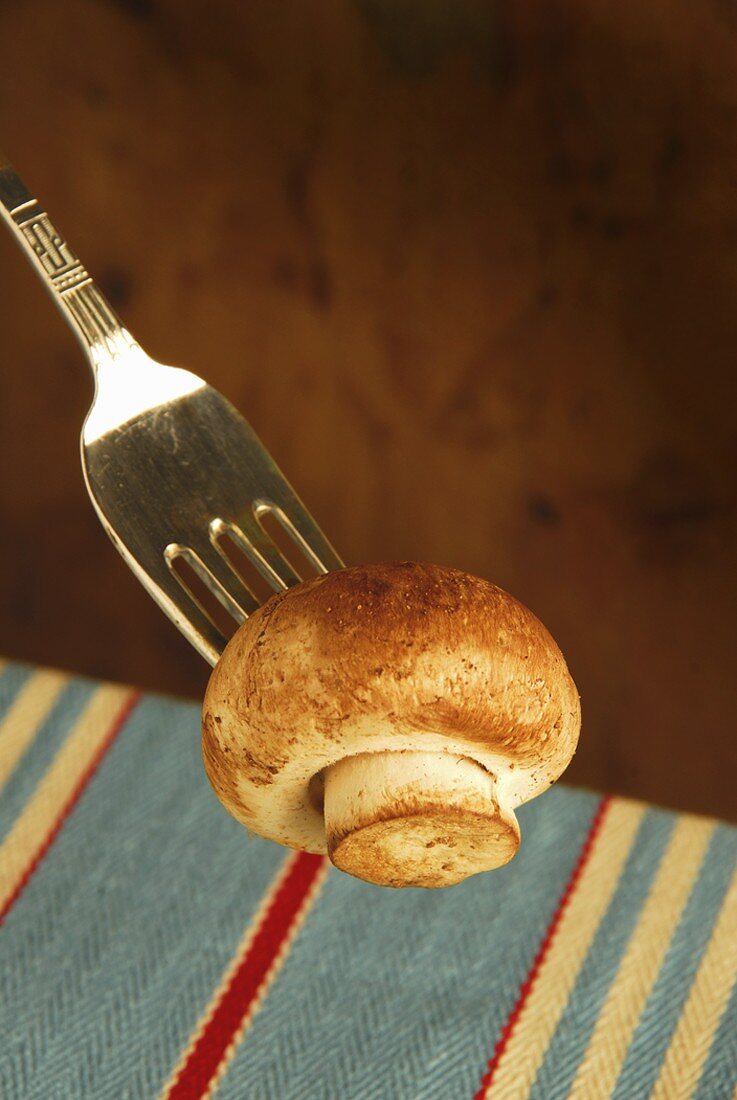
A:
x: 80, y: 300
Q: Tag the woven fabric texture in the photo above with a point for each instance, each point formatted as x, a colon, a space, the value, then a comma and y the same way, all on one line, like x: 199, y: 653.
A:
x: 150, y: 948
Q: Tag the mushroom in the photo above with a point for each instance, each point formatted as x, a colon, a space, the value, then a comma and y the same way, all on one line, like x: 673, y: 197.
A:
x: 393, y: 716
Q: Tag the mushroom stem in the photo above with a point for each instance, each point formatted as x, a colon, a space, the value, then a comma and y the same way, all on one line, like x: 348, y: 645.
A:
x: 415, y: 818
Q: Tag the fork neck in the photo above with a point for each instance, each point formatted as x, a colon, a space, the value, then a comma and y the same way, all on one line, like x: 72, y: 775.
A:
x: 81, y: 302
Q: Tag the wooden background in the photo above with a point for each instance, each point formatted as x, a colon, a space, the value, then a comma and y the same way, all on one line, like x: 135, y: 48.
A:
x: 469, y: 268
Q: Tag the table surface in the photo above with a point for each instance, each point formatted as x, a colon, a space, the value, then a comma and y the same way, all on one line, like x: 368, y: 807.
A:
x: 151, y: 947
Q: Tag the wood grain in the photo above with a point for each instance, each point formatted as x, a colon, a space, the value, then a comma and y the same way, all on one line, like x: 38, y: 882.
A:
x: 469, y: 269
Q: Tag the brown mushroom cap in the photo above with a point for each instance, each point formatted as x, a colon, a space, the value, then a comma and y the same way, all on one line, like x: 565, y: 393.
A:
x: 393, y: 715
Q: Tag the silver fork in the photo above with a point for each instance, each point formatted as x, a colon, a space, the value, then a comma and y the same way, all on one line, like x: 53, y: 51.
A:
x: 171, y: 467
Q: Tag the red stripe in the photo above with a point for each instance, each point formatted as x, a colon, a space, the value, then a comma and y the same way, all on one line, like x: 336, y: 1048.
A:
x: 244, y: 987
x: 117, y: 725
x: 544, y: 947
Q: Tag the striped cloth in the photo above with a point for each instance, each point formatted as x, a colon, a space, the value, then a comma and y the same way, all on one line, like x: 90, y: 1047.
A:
x: 150, y: 948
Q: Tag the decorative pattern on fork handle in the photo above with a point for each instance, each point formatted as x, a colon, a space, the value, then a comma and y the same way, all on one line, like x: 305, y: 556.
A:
x: 99, y: 329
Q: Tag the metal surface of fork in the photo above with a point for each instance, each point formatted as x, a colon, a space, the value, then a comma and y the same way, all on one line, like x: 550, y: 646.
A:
x: 170, y: 465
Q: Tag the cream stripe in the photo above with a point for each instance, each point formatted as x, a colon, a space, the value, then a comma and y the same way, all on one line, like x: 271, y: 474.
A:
x: 42, y: 810
x: 602, y: 1062
x: 549, y: 995
x: 240, y: 952
x: 704, y: 1007
x: 25, y: 716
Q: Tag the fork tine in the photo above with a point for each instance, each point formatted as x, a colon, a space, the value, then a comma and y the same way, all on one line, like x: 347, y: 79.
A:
x: 253, y: 541
x: 218, y: 575
x: 184, y: 610
x: 315, y: 545
x: 238, y: 591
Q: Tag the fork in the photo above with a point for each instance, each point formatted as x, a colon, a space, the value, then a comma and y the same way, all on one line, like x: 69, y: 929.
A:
x: 172, y: 469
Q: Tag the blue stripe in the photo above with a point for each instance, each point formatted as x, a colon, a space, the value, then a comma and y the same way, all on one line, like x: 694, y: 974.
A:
x: 665, y: 1004
x: 404, y: 993
x: 12, y: 679
x: 600, y: 967
x: 37, y: 758
x: 114, y: 949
